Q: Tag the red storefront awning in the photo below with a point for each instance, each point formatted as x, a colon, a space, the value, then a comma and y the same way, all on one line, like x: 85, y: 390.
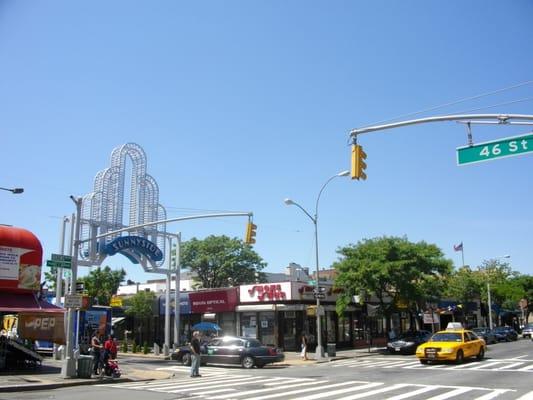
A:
x: 25, y: 302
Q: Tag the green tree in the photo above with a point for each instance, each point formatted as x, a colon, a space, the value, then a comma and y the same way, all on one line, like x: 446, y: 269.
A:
x: 51, y: 279
x: 140, y: 307
x: 464, y: 285
x: 220, y: 261
x: 101, y: 284
x: 394, y: 270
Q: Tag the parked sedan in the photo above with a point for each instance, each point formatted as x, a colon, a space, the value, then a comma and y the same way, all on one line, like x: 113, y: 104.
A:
x: 505, y: 334
x: 486, y: 334
x: 527, y: 331
x: 407, y: 342
x: 233, y: 350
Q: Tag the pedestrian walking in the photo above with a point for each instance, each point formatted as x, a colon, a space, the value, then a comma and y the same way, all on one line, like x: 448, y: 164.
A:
x: 195, y: 355
x: 97, y: 349
x: 303, y: 354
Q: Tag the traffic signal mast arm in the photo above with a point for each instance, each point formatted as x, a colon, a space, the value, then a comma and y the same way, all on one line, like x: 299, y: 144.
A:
x: 503, y: 119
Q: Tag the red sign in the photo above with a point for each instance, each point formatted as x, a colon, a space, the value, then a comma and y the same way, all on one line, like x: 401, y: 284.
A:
x: 213, y: 301
x: 267, y: 292
x: 21, y: 257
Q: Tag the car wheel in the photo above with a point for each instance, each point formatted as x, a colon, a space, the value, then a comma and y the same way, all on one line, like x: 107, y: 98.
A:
x: 186, y: 359
x: 459, y: 357
x: 247, y: 362
x: 481, y: 354
x: 423, y: 361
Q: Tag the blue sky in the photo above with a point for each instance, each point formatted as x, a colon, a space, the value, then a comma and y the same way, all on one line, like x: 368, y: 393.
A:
x: 240, y: 104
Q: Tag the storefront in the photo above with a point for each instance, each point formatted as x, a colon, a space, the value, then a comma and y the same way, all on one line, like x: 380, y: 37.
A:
x: 24, y: 316
x: 215, y: 305
x: 279, y: 313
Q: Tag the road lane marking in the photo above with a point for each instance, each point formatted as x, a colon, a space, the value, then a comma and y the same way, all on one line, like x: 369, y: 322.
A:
x: 341, y: 391
x: 453, y: 393
x: 413, y: 393
x: 271, y: 396
x: 256, y: 391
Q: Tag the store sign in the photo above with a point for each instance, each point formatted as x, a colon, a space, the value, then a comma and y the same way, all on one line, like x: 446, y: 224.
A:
x: 185, y: 305
x: 265, y: 292
x: 42, y: 326
x: 431, y: 318
x: 213, y: 301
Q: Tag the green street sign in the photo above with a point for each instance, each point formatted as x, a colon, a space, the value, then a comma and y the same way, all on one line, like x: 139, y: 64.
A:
x: 59, y: 264
x: 61, y: 257
x: 506, y: 147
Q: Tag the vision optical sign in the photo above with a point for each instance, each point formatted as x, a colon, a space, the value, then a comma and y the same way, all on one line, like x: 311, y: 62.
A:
x: 137, y: 244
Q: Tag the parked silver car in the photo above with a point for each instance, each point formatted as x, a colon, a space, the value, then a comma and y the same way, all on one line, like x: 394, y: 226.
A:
x: 527, y: 331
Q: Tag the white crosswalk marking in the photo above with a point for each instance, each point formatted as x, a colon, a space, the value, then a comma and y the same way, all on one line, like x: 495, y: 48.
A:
x: 503, y: 365
x: 413, y: 393
x: 258, y: 387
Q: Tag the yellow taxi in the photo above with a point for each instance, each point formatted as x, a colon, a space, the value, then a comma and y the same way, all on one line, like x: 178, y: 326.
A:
x: 453, y: 344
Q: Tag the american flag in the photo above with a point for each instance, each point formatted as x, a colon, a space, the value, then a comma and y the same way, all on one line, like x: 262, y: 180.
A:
x: 458, y: 247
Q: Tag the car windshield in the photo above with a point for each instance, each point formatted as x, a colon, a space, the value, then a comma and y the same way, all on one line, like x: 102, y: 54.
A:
x: 447, y: 337
x: 528, y: 326
x: 480, y: 330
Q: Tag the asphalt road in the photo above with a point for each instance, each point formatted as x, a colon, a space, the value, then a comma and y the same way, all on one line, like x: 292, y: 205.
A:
x: 506, y: 373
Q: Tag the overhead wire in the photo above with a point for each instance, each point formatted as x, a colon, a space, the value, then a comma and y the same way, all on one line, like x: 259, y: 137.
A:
x: 453, y: 103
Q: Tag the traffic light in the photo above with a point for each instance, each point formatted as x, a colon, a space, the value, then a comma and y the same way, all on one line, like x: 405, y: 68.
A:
x: 358, y: 162
x: 250, y: 233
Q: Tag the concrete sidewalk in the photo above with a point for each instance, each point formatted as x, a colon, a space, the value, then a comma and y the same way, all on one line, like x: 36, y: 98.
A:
x: 48, y: 376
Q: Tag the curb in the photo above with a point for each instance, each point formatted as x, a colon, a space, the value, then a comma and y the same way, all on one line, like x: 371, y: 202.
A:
x: 57, y: 385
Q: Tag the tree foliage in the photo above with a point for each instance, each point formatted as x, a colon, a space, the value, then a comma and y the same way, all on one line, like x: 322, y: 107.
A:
x: 102, y: 283
x: 393, y: 269
x: 140, y: 306
x: 220, y: 261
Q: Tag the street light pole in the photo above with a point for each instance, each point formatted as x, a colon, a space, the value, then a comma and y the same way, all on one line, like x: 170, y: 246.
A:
x: 319, y: 347
x: 488, y: 293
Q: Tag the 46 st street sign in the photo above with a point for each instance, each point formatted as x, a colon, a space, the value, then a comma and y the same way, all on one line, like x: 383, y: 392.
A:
x: 506, y: 147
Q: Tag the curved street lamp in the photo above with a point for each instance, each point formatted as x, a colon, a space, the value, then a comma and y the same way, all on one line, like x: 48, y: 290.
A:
x: 14, y: 190
x: 314, y: 219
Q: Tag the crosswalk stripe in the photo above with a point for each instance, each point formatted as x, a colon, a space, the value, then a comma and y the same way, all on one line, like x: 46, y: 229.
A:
x: 510, y: 366
x: 183, y: 382
x: 399, y: 364
x: 453, y: 393
x: 493, y: 394
x: 413, y: 393
x: 485, y: 365
x: 271, y: 396
x: 232, y: 382
x: 376, y: 391
x: 256, y: 391
x: 527, y: 396
x: 528, y: 368
x: 339, y: 391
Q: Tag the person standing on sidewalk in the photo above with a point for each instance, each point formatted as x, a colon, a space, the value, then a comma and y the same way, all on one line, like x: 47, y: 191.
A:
x: 97, y: 349
x: 195, y: 355
x: 303, y: 354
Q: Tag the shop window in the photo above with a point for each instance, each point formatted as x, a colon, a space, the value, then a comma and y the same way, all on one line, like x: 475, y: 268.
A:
x: 266, y: 328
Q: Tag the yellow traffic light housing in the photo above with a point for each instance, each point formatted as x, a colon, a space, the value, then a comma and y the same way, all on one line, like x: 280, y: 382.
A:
x: 250, y: 233
x: 358, y: 162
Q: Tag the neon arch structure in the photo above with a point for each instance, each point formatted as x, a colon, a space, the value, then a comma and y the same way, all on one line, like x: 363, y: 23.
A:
x: 103, y: 210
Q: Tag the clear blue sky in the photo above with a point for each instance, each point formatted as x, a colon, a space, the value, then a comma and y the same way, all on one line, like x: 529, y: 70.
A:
x: 239, y: 104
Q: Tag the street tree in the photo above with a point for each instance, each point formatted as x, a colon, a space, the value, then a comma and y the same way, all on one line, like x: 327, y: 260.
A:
x: 102, y: 283
x: 220, y: 261
x: 394, y: 270
x: 140, y: 307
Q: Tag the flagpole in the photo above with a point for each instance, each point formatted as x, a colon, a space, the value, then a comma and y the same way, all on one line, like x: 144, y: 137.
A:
x: 463, y: 253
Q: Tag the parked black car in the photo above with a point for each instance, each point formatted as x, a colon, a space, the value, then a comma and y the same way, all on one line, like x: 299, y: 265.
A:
x: 486, y: 334
x: 232, y: 350
x: 406, y: 343
x: 505, y: 333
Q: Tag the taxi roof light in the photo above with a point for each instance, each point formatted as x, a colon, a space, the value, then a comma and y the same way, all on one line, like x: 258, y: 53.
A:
x: 454, y: 325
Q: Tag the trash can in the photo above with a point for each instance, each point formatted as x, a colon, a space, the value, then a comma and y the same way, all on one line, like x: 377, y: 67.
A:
x: 332, y: 350
x: 85, y: 367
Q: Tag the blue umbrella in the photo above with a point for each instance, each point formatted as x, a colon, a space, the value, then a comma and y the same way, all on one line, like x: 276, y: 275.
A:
x: 206, y: 326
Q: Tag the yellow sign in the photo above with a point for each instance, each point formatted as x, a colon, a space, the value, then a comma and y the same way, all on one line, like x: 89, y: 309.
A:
x: 311, y: 311
x: 116, y: 301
